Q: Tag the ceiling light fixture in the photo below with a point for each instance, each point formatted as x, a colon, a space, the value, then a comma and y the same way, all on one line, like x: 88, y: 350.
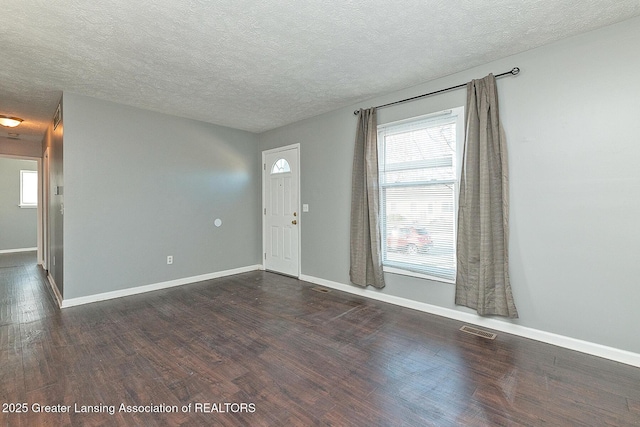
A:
x: 10, y: 122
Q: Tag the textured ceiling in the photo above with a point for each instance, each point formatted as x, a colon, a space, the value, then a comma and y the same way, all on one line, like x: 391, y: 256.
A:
x: 257, y: 65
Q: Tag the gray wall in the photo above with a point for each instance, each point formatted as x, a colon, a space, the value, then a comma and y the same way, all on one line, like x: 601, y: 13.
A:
x: 572, y: 128
x: 18, y: 226
x: 141, y: 185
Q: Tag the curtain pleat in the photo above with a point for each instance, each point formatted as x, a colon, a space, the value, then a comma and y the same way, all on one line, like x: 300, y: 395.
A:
x: 366, y: 244
x: 482, y: 281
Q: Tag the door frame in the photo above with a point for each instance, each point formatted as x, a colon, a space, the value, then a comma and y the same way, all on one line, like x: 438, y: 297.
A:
x: 44, y: 197
x: 264, y: 203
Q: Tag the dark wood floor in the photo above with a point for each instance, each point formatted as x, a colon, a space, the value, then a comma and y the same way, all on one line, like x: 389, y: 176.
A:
x: 300, y: 356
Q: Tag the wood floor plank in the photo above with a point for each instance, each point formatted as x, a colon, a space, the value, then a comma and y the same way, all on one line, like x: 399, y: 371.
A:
x: 11, y: 376
x: 297, y: 356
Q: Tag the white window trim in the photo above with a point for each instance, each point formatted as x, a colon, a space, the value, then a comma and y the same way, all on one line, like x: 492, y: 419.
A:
x: 22, y: 204
x: 405, y: 272
x: 394, y: 269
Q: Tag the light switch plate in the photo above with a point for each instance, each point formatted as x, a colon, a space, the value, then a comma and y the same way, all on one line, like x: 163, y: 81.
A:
x: 305, y: 208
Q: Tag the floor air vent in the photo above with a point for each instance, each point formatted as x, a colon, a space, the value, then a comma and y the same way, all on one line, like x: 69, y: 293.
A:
x: 478, y: 332
x: 323, y: 290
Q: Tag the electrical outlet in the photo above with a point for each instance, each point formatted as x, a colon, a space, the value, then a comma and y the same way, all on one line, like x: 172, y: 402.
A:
x: 170, y: 259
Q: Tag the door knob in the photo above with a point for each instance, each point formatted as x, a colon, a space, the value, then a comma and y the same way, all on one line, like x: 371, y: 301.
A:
x: 294, y: 222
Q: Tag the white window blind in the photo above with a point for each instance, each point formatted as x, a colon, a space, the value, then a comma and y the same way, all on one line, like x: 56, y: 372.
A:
x: 28, y: 189
x: 418, y: 189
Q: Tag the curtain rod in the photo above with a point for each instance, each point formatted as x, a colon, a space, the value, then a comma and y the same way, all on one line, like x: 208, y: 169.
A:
x: 514, y: 72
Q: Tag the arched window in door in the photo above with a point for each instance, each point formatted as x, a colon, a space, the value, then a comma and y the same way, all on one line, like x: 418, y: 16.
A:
x: 280, y: 166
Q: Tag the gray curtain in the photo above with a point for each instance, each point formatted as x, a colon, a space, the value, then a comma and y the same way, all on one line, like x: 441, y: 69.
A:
x: 482, y: 281
x: 366, y: 252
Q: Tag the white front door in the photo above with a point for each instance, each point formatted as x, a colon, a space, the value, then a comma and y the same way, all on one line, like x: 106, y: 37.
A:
x: 281, y: 225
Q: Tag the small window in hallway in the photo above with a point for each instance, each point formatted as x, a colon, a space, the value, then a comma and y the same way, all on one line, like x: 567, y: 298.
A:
x: 28, y: 189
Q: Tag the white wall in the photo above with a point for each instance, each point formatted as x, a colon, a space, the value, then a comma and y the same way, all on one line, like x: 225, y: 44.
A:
x: 139, y: 186
x: 571, y: 119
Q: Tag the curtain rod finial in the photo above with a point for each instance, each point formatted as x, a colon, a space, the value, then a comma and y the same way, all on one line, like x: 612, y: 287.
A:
x: 355, y: 113
x: 515, y: 71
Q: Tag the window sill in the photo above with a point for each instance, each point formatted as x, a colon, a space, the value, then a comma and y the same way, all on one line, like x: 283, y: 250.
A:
x: 402, y: 272
x: 27, y: 206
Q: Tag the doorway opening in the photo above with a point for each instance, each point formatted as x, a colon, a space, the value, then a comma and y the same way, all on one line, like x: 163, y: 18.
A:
x: 21, y: 216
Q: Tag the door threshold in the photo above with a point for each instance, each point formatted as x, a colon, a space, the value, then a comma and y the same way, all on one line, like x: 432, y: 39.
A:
x: 282, y: 274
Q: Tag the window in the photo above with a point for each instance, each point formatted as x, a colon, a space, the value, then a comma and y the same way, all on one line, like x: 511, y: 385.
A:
x: 280, y: 166
x: 418, y: 193
x: 28, y: 189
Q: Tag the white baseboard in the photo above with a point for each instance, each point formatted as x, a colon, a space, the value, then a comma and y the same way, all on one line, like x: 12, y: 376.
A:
x: 56, y: 291
x: 587, y: 347
x: 154, y: 286
x: 10, y: 251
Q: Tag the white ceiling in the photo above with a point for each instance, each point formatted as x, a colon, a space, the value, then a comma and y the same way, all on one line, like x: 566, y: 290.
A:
x: 257, y: 65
